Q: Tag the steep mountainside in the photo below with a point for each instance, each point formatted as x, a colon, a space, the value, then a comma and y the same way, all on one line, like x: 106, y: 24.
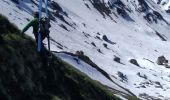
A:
x: 120, y: 40
x: 24, y: 74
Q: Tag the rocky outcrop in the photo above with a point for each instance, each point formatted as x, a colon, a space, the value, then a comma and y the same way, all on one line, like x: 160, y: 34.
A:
x: 161, y: 60
x: 134, y: 61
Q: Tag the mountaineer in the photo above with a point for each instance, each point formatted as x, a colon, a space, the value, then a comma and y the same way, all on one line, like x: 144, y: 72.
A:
x: 35, y: 24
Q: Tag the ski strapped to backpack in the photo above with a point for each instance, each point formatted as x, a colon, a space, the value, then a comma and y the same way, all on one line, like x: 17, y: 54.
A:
x: 39, y: 34
x: 44, y: 24
x: 48, y: 23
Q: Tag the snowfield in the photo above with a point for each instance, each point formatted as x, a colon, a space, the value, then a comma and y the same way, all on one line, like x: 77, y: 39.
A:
x: 133, y: 29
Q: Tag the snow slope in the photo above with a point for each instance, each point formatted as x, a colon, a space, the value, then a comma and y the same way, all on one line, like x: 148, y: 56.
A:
x: 163, y: 3
x: 132, y: 27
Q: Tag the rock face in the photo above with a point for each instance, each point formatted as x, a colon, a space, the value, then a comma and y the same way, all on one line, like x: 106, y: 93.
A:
x: 134, y: 61
x: 117, y: 59
x: 122, y: 76
x: 105, y: 38
x: 79, y: 53
x: 162, y: 60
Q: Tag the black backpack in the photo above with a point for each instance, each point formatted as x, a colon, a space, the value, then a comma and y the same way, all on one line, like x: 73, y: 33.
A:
x: 45, y: 25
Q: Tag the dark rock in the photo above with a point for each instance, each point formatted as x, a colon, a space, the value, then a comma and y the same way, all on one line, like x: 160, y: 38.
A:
x: 107, y: 40
x: 158, y: 85
x: 77, y: 60
x: 150, y: 17
x: 64, y: 27
x: 97, y: 37
x: 144, y: 6
x: 55, y: 5
x: 143, y: 86
x: 99, y: 51
x: 169, y: 76
x: 159, y: 1
x: 160, y: 36
x: 117, y: 59
x: 124, y: 14
x: 154, y: 17
x: 84, y: 24
x: 87, y: 6
x: 121, y: 9
x: 168, y: 11
x: 167, y: 66
x: 98, y: 33
x: 122, y: 76
x: 162, y: 60
x: 79, y: 53
x: 148, y: 97
x: 142, y: 76
x: 93, y: 44
x: 86, y: 34
x: 16, y: 1
x: 158, y: 15
x: 134, y: 61
x: 101, y: 7
x: 148, y: 60
x: 105, y: 45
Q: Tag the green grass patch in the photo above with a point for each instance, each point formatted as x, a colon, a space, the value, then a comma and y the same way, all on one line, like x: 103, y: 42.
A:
x: 25, y: 74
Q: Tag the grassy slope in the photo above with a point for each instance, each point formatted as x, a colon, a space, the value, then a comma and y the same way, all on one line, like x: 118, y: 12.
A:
x: 24, y: 74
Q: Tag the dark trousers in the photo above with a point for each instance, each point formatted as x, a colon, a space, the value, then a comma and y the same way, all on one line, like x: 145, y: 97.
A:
x: 43, y: 36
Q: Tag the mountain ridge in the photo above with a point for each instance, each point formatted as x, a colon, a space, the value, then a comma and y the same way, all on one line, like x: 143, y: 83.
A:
x: 25, y: 74
x: 135, y: 29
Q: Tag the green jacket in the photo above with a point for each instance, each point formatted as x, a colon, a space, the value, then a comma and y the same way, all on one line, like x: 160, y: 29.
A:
x: 34, y: 23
